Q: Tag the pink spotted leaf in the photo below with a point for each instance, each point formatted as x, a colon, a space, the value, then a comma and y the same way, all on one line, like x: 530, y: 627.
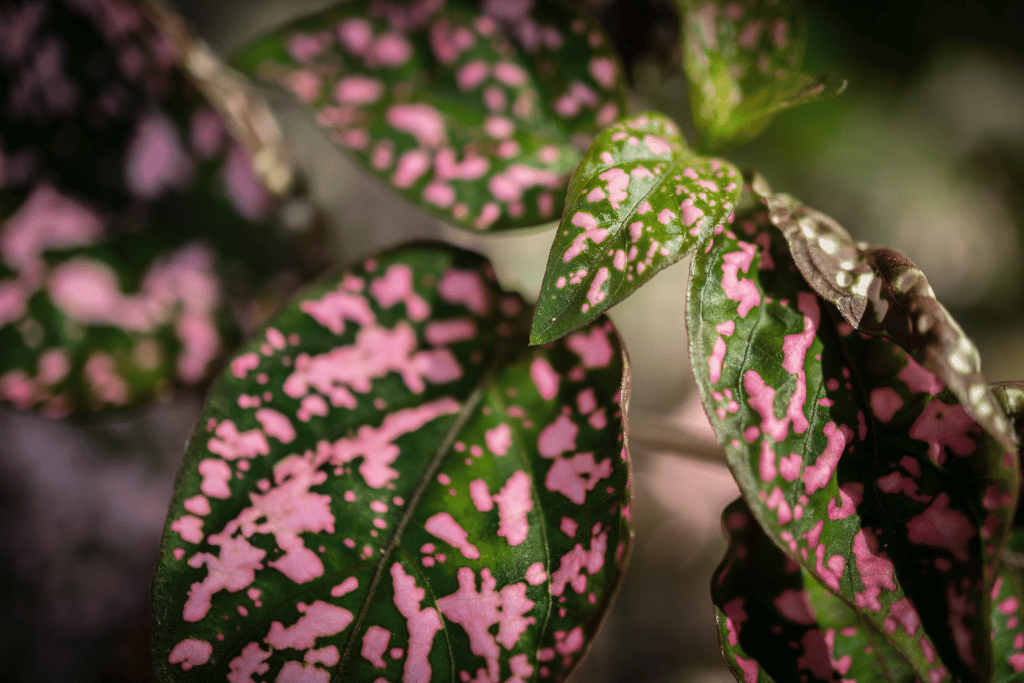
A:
x: 477, y: 113
x: 860, y: 464
x: 778, y: 623
x: 742, y: 60
x: 638, y: 202
x: 388, y: 483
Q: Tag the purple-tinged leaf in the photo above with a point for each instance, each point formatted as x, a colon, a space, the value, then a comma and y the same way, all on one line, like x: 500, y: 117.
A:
x: 881, y: 292
x: 777, y: 623
x: 132, y: 226
x: 742, y: 60
x: 858, y: 462
x: 639, y: 201
x: 388, y: 483
x: 478, y: 114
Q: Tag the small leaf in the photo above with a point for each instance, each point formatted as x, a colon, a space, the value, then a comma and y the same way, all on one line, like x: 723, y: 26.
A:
x: 777, y: 623
x: 742, y: 59
x: 881, y: 292
x: 858, y: 462
x: 639, y: 202
x: 389, y: 483
x: 131, y: 224
x: 477, y: 114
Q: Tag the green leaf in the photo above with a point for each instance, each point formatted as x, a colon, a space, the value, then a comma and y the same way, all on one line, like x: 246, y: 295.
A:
x: 131, y: 223
x: 389, y: 483
x: 639, y: 202
x: 777, y: 623
x: 477, y: 114
x: 742, y: 60
x: 858, y: 462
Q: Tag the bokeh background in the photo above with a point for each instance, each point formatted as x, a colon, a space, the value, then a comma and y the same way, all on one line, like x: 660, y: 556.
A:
x: 924, y: 153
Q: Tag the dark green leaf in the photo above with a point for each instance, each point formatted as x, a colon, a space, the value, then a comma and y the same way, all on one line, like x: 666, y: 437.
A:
x: 777, y: 623
x: 639, y: 202
x: 742, y: 60
x: 858, y: 462
x: 389, y: 483
x: 479, y: 115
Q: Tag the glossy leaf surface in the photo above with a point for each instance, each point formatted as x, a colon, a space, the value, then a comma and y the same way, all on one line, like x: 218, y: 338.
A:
x: 881, y: 292
x: 389, y: 483
x: 742, y: 59
x: 130, y: 222
x: 858, y: 462
x: 777, y: 623
x: 639, y: 201
x: 477, y: 113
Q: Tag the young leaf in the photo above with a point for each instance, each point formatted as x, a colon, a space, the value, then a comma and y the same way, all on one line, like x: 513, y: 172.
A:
x: 388, y: 483
x: 640, y: 201
x: 124, y: 208
x: 857, y: 461
x: 477, y: 114
x: 777, y: 623
x: 742, y: 60
x: 880, y: 291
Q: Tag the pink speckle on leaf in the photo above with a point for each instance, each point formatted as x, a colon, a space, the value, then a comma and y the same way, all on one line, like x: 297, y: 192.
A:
x: 275, y: 424
x: 318, y: 620
x: 422, y: 625
x: 444, y: 526
x: 190, y: 652
x: 593, y: 347
x: 499, y: 439
x: 514, y: 504
x: 422, y: 121
x: 375, y: 642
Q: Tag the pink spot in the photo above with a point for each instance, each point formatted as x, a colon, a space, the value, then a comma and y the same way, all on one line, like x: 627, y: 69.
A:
x: 447, y: 332
x: 343, y: 588
x: 233, y: 570
x: 476, y: 611
x: 422, y: 121
x: 498, y: 439
x: 390, y: 49
x: 874, y: 567
x: 231, y: 444
x: 789, y: 466
x: 544, y: 378
x: 276, y: 425
x: 243, y: 364
x: 573, y: 477
x: 514, y: 503
x: 395, y: 287
x: 558, y: 437
x: 471, y: 75
x: 535, y: 574
x: 318, y: 620
x: 189, y: 528
x: 794, y: 349
x: 422, y: 625
x: 216, y: 473
x: 591, y: 231
x: 940, y: 527
x: 568, y: 525
x: 744, y: 291
x: 411, y: 167
x: 199, y: 505
x: 467, y: 288
x: 851, y: 494
x: 335, y: 307
x: 593, y: 347
x: 480, y: 494
x: 944, y: 426
x: 375, y: 641
x: 715, y: 360
x: 358, y: 90
x: 885, y: 402
x: 819, y: 474
x: 190, y: 652
x: 793, y: 605
x: 918, y: 379
x: 604, y: 71
x: 576, y: 561
x: 444, y: 526
x: 156, y: 160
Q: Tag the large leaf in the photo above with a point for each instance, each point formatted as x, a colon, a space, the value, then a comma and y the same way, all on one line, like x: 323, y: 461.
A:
x: 125, y: 211
x: 777, y: 623
x: 742, y: 60
x: 858, y: 462
x: 390, y: 484
x: 479, y: 114
x: 639, y: 201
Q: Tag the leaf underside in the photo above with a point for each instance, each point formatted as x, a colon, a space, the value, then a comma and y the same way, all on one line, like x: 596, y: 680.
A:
x: 478, y: 114
x: 388, y: 484
x: 859, y: 463
x: 641, y: 200
x: 742, y: 60
x: 125, y: 207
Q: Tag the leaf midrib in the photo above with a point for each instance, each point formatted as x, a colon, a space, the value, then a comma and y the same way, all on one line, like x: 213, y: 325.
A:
x: 469, y: 406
